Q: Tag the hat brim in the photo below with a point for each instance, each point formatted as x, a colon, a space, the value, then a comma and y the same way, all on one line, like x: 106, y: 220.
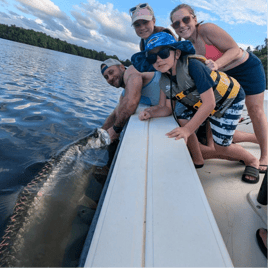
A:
x: 142, y: 65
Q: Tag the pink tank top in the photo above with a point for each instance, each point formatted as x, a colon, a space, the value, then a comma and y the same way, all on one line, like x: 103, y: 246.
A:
x: 212, y: 52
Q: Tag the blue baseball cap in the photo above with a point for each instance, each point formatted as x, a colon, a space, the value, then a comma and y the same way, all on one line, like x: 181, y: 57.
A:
x: 157, y: 40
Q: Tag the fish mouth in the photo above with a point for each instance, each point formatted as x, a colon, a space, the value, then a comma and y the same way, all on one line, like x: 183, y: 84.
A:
x: 99, y: 138
x: 104, y: 136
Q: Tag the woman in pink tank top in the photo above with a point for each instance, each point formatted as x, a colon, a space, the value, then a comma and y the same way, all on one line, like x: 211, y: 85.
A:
x: 212, y: 52
x: 224, y: 54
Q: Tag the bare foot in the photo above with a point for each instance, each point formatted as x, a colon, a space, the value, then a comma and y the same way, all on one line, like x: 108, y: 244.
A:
x: 255, y: 165
x: 263, y: 165
x: 263, y: 168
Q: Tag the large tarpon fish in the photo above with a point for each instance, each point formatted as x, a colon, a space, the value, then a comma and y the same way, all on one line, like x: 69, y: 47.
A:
x: 37, y: 232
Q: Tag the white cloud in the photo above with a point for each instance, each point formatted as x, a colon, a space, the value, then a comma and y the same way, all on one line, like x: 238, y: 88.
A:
x: 110, y: 21
x: 235, y: 11
x: 202, y: 16
x: 93, y: 25
x: 38, y: 21
x: 245, y: 46
x: 104, y: 28
x: 43, y: 6
x: 83, y: 20
x: 4, y: 15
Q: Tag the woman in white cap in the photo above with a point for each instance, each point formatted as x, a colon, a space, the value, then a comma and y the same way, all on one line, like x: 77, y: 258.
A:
x: 143, y: 21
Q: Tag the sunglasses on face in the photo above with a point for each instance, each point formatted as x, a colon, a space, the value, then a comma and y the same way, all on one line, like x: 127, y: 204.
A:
x: 185, y: 20
x: 163, y: 54
x: 139, y: 7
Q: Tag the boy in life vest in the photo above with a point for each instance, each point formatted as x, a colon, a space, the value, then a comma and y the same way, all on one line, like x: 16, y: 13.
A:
x: 205, y: 93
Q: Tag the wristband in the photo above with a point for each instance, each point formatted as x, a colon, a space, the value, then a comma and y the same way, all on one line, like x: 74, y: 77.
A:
x: 117, y: 129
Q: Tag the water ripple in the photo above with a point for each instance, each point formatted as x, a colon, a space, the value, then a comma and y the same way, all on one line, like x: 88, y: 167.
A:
x: 48, y: 99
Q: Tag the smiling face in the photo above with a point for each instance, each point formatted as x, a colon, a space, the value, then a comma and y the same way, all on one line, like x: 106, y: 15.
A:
x: 114, y: 75
x: 184, y: 30
x: 164, y: 65
x: 144, y: 28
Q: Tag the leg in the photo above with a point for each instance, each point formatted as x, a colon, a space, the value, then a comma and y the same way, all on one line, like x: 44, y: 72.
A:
x: 240, y: 136
x: 251, y: 173
x: 255, y: 108
x: 193, y: 146
x: 210, y: 153
x: 223, y: 130
x: 210, y: 142
x: 236, y: 151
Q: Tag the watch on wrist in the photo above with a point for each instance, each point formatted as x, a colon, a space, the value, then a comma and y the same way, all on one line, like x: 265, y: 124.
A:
x: 117, y: 129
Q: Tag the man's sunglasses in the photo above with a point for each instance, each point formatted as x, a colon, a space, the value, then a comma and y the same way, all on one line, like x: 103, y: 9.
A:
x: 163, y: 54
x: 138, y: 7
x: 185, y: 20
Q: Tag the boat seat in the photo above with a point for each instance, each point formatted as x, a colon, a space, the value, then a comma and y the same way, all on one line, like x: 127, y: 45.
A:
x: 155, y: 212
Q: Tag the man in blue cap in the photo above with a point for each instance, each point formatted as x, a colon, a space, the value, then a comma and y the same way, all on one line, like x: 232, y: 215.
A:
x: 138, y: 88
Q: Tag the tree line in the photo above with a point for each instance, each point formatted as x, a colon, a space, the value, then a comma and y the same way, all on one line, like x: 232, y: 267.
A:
x: 40, y: 39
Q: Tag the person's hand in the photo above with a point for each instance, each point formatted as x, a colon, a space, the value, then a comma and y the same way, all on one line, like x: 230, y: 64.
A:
x: 113, y: 135
x: 144, y: 115
x: 179, y: 133
x: 212, y: 65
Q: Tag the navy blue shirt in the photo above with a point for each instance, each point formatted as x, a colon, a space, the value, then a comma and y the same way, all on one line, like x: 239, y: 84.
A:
x: 200, y: 73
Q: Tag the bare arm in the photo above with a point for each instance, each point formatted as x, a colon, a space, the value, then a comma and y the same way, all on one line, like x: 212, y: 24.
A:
x: 130, y: 101
x: 127, y: 105
x: 208, y: 104
x: 162, y: 109
x: 216, y: 36
x: 110, y: 120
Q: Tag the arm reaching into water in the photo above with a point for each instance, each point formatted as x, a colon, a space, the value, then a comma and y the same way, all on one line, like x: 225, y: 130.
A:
x: 109, y: 122
x: 127, y: 105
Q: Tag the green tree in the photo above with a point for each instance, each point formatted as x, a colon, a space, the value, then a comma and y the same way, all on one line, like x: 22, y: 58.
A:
x: 39, y: 39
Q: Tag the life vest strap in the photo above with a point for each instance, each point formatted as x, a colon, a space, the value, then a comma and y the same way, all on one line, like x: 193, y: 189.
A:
x: 199, y: 103
x: 225, y: 87
x: 226, y: 95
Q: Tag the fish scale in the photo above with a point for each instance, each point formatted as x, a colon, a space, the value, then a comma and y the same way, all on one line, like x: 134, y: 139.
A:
x: 46, y: 207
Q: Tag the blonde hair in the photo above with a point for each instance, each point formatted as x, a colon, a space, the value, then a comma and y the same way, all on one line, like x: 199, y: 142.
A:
x: 189, y: 8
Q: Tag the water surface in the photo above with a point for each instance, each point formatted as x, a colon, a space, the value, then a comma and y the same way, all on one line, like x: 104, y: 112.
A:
x: 48, y: 99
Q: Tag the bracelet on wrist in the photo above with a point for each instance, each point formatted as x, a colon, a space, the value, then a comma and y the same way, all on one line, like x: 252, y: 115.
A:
x: 117, y: 129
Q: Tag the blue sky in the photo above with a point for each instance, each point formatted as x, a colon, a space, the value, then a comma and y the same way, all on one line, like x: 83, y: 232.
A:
x: 106, y: 25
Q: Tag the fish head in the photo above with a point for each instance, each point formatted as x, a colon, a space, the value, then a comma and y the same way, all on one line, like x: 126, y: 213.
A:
x: 103, y: 136
x: 99, y: 138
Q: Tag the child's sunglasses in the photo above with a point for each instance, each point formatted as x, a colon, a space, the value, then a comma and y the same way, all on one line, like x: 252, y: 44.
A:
x: 185, y: 20
x: 138, y: 7
x: 163, y: 54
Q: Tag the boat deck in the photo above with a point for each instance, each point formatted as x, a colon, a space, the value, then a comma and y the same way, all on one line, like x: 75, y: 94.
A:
x: 141, y: 220
x: 228, y: 197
